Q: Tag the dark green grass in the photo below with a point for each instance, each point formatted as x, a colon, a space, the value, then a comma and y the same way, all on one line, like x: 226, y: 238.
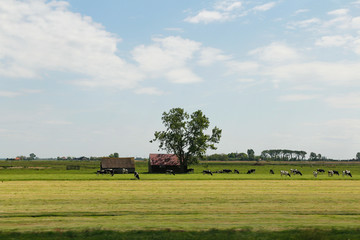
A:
x: 308, y: 234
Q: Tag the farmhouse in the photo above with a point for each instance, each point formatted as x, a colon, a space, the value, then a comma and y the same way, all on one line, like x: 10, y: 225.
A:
x: 118, y: 165
x: 160, y: 163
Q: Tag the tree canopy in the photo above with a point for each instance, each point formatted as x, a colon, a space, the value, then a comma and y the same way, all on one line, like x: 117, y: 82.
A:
x: 184, y: 135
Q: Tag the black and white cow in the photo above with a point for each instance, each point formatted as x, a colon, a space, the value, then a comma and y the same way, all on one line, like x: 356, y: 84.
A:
x: 330, y: 173
x: 236, y: 171
x: 319, y: 170
x: 295, y: 172
x: 136, y: 175
x: 271, y: 171
x: 286, y: 173
x: 335, y: 172
x: 346, y: 173
x: 315, y: 173
x: 207, y: 172
x: 250, y: 171
x: 226, y: 171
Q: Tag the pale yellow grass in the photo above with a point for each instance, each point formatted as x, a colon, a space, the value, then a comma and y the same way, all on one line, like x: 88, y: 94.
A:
x: 182, y: 205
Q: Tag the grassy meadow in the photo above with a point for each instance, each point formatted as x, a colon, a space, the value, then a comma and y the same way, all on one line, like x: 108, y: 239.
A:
x: 42, y: 196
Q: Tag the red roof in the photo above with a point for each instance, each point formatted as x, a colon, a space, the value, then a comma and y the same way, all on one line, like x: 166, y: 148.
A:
x: 164, y: 159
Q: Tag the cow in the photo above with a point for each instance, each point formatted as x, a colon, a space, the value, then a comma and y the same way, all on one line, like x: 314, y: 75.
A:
x: 170, y: 172
x: 297, y: 172
x: 136, y: 175
x: 319, y: 170
x: 207, y: 172
x: 330, y: 173
x: 346, y: 173
x: 236, y: 171
x: 124, y: 170
x: 226, y: 171
x: 271, y: 171
x: 315, y: 173
x: 250, y: 171
x: 286, y: 173
x: 190, y: 170
x: 336, y: 172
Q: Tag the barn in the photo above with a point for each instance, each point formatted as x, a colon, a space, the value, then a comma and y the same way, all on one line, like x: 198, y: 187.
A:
x: 118, y: 164
x: 159, y: 163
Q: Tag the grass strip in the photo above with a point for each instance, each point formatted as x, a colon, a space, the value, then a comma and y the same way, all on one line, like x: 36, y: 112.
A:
x: 316, y: 234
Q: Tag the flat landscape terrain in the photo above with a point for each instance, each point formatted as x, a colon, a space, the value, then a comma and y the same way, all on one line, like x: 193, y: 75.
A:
x: 44, y: 196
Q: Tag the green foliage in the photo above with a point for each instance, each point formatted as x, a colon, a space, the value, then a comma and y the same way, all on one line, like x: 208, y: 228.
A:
x: 283, y: 155
x: 184, y: 135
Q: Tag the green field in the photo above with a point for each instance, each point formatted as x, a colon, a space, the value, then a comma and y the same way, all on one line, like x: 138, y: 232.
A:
x: 43, y: 196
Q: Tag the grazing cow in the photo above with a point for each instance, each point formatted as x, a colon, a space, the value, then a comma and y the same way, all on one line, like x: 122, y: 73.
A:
x: 286, y: 173
x: 271, y: 171
x: 336, y: 172
x: 330, y: 173
x: 250, y: 171
x: 319, y: 170
x: 207, y: 172
x: 315, y: 173
x: 236, y: 171
x: 124, y: 170
x: 190, y: 170
x: 346, y: 173
x: 226, y: 170
x: 297, y: 172
x: 136, y: 175
x: 170, y: 172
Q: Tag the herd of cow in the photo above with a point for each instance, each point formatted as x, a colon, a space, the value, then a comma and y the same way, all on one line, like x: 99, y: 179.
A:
x: 284, y: 173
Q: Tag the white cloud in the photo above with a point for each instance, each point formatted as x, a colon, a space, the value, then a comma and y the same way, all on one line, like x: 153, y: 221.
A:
x: 57, y: 122
x: 182, y: 75
x: 275, y: 52
x: 301, y: 11
x: 228, y: 5
x: 297, y: 97
x: 19, y: 92
x: 221, y: 11
x: 325, y: 72
x: 9, y: 94
x: 241, y: 68
x: 149, y: 91
x: 264, y: 7
x: 38, y: 36
x: 339, y: 12
x: 334, y: 41
x: 209, y: 56
x: 206, y: 16
x: 304, y: 23
x: 350, y: 101
x: 167, y: 57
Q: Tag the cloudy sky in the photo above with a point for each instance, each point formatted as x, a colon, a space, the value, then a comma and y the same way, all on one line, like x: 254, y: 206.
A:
x: 82, y: 77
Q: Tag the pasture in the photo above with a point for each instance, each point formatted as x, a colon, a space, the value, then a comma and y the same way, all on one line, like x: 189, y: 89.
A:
x: 45, y: 197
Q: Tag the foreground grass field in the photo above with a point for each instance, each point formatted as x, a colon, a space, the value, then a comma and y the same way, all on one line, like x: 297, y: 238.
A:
x: 178, y: 205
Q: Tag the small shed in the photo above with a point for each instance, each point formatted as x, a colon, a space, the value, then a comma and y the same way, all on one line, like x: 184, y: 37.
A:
x: 118, y: 165
x: 160, y: 163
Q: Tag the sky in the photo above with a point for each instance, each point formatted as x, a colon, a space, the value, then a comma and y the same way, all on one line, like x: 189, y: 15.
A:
x: 90, y: 78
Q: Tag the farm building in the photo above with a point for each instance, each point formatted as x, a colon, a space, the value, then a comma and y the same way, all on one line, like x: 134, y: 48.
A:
x: 159, y: 163
x: 118, y: 165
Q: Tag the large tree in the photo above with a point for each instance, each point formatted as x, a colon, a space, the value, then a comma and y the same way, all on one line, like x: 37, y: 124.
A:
x: 184, y: 135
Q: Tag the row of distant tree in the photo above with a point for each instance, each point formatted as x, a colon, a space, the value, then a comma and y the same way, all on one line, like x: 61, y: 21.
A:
x: 272, y: 155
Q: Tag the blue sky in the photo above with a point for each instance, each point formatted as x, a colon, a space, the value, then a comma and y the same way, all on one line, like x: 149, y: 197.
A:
x: 82, y: 77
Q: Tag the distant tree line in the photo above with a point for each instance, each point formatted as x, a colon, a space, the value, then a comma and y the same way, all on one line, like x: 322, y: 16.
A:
x: 272, y: 155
